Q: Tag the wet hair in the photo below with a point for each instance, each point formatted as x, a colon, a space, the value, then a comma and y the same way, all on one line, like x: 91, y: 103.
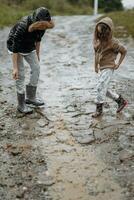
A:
x: 105, y: 32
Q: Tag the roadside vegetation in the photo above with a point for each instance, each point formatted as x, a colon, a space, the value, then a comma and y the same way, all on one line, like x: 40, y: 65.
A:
x: 12, y: 10
x: 124, y: 23
x: 9, y: 15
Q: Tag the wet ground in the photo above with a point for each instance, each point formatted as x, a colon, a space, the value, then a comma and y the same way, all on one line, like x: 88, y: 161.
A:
x: 59, y: 152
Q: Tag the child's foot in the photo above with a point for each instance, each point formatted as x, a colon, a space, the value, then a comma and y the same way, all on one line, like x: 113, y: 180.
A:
x: 122, y: 103
x: 99, y: 110
x: 96, y: 114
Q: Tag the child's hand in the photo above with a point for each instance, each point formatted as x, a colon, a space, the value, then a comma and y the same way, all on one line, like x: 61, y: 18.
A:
x: 15, y: 74
x: 116, y: 66
x: 38, y: 57
x: 30, y: 29
x: 96, y: 70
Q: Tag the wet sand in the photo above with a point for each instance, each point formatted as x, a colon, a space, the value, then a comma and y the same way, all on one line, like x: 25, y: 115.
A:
x: 59, y: 152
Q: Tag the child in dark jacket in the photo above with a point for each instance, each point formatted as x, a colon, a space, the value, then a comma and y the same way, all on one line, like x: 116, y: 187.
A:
x: 24, y: 43
x: 106, y: 50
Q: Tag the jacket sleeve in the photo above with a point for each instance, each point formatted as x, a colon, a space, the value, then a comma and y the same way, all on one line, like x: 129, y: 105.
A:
x: 18, y: 36
x: 118, y: 47
x: 39, y: 36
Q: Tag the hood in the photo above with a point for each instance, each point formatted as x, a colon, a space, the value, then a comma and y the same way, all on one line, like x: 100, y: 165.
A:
x: 108, y: 21
x: 40, y: 14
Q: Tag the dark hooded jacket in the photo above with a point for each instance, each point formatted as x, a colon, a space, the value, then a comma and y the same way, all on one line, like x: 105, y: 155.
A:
x: 22, y: 41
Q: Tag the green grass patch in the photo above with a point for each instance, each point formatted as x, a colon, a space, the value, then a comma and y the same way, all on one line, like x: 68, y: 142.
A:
x: 9, y: 15
x: 59, y: 7
x: 124, y: 23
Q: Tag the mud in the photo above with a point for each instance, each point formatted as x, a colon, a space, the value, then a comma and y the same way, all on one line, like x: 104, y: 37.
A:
x: 59, y: 152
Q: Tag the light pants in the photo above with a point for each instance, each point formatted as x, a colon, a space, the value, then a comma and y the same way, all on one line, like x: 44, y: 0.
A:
x: 105, y: 77
x: 32, y: 60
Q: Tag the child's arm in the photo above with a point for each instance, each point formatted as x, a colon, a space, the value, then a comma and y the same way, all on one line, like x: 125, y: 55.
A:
x: 38, y: 50
x: 50, y: 24
x: 96, y: 44
x: 41, y: 25
x: 122, y: 52
x: 15, y: 66
x: 96, y: 63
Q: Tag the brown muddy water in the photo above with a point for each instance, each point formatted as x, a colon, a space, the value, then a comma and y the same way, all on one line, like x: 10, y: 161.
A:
x: 59, y: 152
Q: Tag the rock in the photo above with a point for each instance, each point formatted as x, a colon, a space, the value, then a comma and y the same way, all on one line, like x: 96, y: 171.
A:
x: 2, y: 124
x: 1, y: 90
x: 133, y: 117
x: 124, y: 143
x: 24, y: 188
x: 3, y: 102
x: 84, y: 137
x: 130, y: 134
x: 1, y: 128
x: 19, y: 132
x: 62, y: 137
x: 34, y: 116
x: 20, y: 195
x: 99, y: 135
x: 25, y: 126
x: 61, y: 35
x: 104, y: 124
x: 44, y: 132
x: 46, y: 180
x: 88, y: 139
x: 94, y: 124
x: 68, y: 149
x: 70, y: 108
x: 126, y: 155
x: 82, y: 133
x: 19, y: 115
x: 15, y: 151
x: 42, y: 123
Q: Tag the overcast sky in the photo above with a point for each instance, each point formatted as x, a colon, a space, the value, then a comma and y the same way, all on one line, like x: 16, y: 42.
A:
x: 128, y: 3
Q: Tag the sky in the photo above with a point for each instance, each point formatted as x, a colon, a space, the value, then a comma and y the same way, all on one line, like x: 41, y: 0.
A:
x: 128, y: 3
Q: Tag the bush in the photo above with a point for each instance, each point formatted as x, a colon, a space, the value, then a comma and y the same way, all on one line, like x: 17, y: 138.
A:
x: 33, y: 4
x: 10, y: 15
x: 109, y: 5
x: 11, y: 2
x: 15, y: 9
x: 121, y: 19
x: 61, y: 7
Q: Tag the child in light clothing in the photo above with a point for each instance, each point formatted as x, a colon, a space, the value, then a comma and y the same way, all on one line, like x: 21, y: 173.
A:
x: 106, y: 50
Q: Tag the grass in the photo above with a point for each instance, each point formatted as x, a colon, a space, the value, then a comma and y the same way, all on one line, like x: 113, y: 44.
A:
x: 59, y: 7
x: 124, y: 23
x: 123, y: 20
x: 10, y: 14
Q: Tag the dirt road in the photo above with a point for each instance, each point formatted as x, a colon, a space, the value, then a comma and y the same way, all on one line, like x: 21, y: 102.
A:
x: 59, y: 152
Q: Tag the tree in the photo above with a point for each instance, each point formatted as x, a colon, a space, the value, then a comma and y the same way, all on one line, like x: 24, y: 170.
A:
x: 109, y: 5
